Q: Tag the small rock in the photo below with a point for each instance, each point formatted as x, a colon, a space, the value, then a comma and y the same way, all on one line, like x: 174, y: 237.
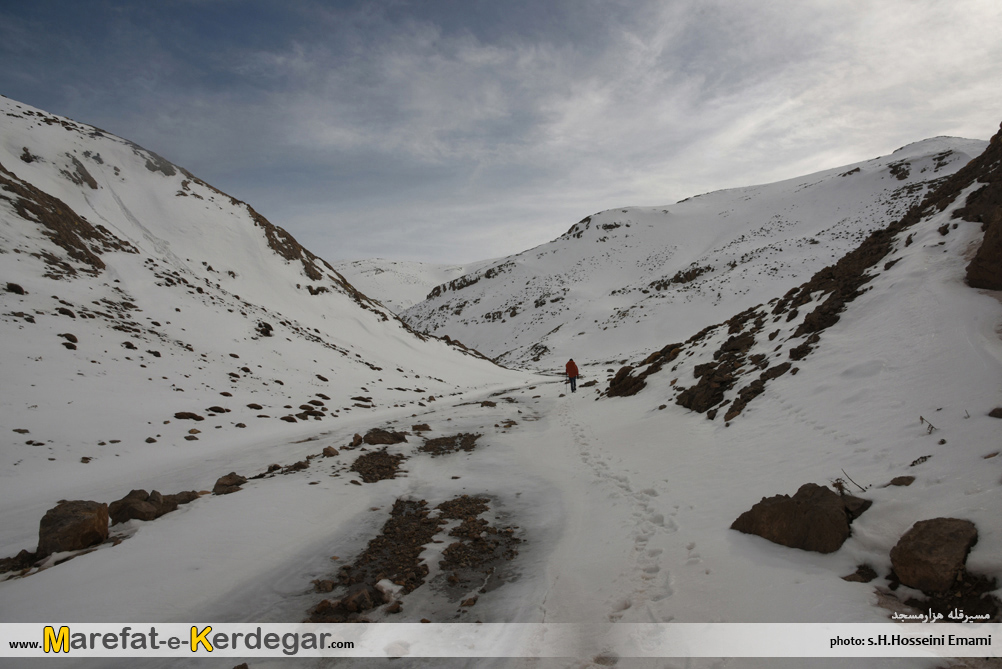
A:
x: 996, y: 412
x: 188, y: 415
x: 330, y: 452
x: 150, y: 440
x: 864, y: 574
x: 902, y: 480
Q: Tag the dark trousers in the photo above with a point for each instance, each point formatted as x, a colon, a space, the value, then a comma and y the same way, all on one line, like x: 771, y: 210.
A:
x: 574, y: 383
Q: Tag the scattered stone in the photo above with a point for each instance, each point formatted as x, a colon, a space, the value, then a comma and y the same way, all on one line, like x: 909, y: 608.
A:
x: 902, y: 481
x: 322, y: 378
x: 69, y: 337
x: 996, y: 412
x: 188, y: 415
x: 488, y: 403
x: 21, y: 430
x: 423, y: 427
x: 330, y: 452
x: 240, y: 425
x: 15, y: 288
x: 190, y: 437
x: 71, y: 526
x: 288, y: 419
x: 814, y: 519
x: 150, y: 440
x: 931, y: 555
x: 217, y: 409
x: 228, y: 484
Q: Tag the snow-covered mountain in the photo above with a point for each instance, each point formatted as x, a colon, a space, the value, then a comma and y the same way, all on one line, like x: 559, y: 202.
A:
x: 130, y: 291
x: 400, y: 284
x: 507, y: 498
x: 620, y: 281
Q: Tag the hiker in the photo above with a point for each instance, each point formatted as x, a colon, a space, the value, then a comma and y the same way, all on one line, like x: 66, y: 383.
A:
x: 572, y: 374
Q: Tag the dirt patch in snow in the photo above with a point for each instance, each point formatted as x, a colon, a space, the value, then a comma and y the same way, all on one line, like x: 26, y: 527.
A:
x: 444, y: 445
x: 378, y: 465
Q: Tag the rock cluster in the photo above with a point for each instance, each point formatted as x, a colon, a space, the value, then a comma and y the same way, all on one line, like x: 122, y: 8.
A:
x: 142, y: 505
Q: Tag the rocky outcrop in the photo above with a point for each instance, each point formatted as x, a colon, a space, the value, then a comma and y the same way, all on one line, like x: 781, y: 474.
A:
x: 814, y: 519
x: 931, y: 555
x: 228, y: 484
x: 72, y: 526
x: 141, y: 505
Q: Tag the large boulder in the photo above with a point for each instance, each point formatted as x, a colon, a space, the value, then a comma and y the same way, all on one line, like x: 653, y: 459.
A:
x: 931, y: 555
x: 72, y: 526
x: 814, y: 519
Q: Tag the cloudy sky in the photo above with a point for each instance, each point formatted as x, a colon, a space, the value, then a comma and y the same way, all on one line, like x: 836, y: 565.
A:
x: 456, y: 130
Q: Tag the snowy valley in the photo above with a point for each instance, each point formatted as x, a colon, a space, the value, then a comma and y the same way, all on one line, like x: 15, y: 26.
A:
x: 159, y: 335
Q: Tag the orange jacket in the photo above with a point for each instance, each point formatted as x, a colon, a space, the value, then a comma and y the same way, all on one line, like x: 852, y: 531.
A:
x: 572, y: 370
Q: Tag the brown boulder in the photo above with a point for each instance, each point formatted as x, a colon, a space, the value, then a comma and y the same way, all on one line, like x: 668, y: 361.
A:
x: 931, y: 555
x: 228, y: 484
x: 330, y: 452
x: 72, y: 526
x: 134, y: 505
x: 814, y: 519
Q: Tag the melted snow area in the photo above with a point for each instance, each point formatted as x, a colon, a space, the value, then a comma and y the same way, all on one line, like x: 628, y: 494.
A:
x: 621, y: 504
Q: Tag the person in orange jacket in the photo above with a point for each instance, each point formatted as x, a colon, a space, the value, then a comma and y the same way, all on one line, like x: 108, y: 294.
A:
x: 572, y: 374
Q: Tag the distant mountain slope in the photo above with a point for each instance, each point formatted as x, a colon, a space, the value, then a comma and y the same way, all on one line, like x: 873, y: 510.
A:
x: 725, y: 366
x: 131, y: 291
x: 622, y: 281
x: 400, y: 284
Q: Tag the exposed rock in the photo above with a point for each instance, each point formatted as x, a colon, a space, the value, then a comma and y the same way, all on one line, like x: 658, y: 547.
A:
x: 376, y: 437
x: 21, y: 561
x: 864, y: 574
x: 996, y: 412
x: 188, y: 415
x: 330, y: 452
x: 814, y: 519
x: 488, y: 403
x: 423, y: 427
x: 228, y: 484
x: 72, y: 526
x: 902, y: 480
x: 135, y: 505
x: 15, y: 288
x: 442, y: 445
x: 931, y: 555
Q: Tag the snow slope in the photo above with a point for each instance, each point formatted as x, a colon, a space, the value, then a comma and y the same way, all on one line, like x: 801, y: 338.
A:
x: 622, y: 504
x: 665, y: 272
x: 400, y: 284
x: 177, y: 298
